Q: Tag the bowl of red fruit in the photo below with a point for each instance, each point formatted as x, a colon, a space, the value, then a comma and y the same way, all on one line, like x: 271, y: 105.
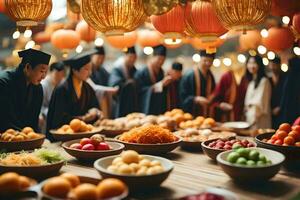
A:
x: 285, y: 140
x: 93, y: 148
x: 213, y: 147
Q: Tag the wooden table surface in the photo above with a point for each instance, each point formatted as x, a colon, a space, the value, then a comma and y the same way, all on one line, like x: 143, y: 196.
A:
x: 194, y: 172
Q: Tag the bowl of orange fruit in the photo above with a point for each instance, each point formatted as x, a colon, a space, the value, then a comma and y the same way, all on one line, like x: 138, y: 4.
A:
x: 25, y: 139
x: 285, y: 140
x: 76, y: 129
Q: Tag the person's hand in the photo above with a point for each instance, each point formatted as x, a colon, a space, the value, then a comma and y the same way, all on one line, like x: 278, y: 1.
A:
x: 226, y: 106
x: 167, y: 80
x: 201, y: 100
x: 276, y: 111
x: 112, y: 90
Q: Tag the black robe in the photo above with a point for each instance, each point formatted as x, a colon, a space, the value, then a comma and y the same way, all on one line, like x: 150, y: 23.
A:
x: 20, y: 104
x: 65, y: 105
x: 188, y: 91
x: 173, y: 98
x: 126, y: 99
x: 100, y: 76
x: 149, y: 101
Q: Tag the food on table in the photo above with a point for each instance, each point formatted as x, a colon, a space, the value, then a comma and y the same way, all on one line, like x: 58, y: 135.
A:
x: 204, y: 196
x: 199, y: 122
x: 195, y: 135
x: 131, y: 163
x: 38, y: 157
x: 149, y: 134
x: 94, y: 143
x: 178, y: 115
x: 75, y: 126
x: 226, y: 144
x: 11, y: 182
x: 12, y: 135
x: 247, y: 157
x: 69, y: 186
x: 286, y: 135
x: 110, y: 187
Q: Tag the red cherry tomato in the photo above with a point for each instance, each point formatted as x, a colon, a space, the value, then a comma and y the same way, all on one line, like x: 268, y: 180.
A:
x: 295, y: 135
x: 281, y: 134
x: 278, y: 142
x: 296, y: 128
x: 285, y: 127
x: 289, y: 140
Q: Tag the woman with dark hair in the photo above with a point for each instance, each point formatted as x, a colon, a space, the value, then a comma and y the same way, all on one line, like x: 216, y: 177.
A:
x: 258, y: 95
x: 74, y: 98
x: 21, y: 93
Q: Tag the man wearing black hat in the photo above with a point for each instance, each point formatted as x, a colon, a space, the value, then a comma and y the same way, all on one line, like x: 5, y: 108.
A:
x: 277, y: 82
x: 173, y: 98
x: 152, y: 84
x: 21, y: 94
x: 53, y: 79
x: 122, y: 76
x: 74, y: 98
x: 99, y: 74
x: 197, y: 85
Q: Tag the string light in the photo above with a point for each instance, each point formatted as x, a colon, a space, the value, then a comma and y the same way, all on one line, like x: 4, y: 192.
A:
x: 196, y: 57
x: 271, y: 55
x: 148, y: 50
x: 241, y: 58
x: 29, y: 44
x: 286, y: 20
x: 172, y: 41
x: 261, y: 49
x: 264, y: 33
x: 284, y: 67
x: 27, y: 33
x: 16, y: 34
x: 79, y: 49
x: 297, y: 51
x: 99, y: 42
x: 227, y: 62
x: 265, y: 61
x: 252, y: 52
x: 217, y: 62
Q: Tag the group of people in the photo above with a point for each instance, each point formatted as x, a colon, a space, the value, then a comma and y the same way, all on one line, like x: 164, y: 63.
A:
x: 242, y: 93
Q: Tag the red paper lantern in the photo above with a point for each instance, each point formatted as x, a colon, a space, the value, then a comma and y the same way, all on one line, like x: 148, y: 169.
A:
x: 279, y: 39
x: 123, y: 41
x: 42, y: 37
x: 250, y: 40
x: 285, y: 7
x: 210, y: 47
x: 296, y: 25
x: 85, y: 32
x: 149, y: 38
x: 2, y: 6
x: 172, y: 23
x: 65, y: 39
x: 203, y: 21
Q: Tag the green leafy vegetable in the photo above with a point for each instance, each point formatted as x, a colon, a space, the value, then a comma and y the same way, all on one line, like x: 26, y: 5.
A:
x: 50, y: 156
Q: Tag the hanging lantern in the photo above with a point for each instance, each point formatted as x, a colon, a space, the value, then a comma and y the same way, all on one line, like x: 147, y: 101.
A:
x: 250, y: 40
x: 158, y: 7
x: 296, y: 25
x: 28, y: 12
x: 65, y: 39
x: 284, y: 7
x: 2, y: 6
x: 149, y: 38
x: 203, y: 22
x: 85, y: 32
x: 241, y: 14
x: 171, y: 24
x: 42, y: 37
x: 279, y: 39
x: 210, y: 47
x: 123, y: 41
x: 113, y: 17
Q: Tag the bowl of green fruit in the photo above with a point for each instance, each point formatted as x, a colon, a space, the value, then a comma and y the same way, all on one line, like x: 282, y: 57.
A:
x: 250, y: 164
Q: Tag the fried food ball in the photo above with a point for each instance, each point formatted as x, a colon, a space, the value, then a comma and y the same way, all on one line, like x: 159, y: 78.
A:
x: 75, y: 125
x: 27, y: 130
x: 110, y: 187
x: 130, y: 156
x: 57, y: 187
x: 86, y: 191
x: 73, y: 179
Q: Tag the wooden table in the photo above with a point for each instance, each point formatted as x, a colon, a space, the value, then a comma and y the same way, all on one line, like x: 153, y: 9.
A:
x: 194, y: 172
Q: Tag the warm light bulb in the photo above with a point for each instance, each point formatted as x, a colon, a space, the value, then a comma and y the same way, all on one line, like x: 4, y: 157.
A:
x: 261, y: 49
x: 297, y: 51
x: 196, y: 57
x: 148, y: 50
x: 172, y: 41
x: 271, y: 55
x: 217, y: 62
x: 16, y: 34
x: 241, y: 58
x: 79, y: 49
x: 265, y: 61
x: 284, y: 67
x: 264, y: 33
x: 99, y: 42
x: 286, y: 20
x: 29, y: 44
x: 27, y: 33
x: 227, y: 62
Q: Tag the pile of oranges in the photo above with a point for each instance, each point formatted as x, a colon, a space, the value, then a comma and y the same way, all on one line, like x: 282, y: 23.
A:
x: 286, y: 135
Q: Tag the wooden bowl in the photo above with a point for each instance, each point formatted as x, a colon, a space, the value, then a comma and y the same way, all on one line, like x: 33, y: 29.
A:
x: 252, y: 174
x: 72, y: 136
x: 83, y: 155
x: 152, y: 149
x: 292, y: 153
x: 112, y: 133
x: 37, y: 172
x: 213, y: 152
x: 191, y: 146
x: 136, y: 182
x: 22, y: 145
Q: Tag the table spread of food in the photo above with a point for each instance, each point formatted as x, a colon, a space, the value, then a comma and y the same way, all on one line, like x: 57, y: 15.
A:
x: 171, y: 156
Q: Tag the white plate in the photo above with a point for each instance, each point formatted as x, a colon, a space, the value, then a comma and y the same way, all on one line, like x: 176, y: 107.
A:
x: 236, y: 125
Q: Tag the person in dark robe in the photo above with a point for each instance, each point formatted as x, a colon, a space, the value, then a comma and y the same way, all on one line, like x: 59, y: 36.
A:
x: 21, y: 92
x: 74, y: 98
x: 99, y: 74
x: 229, y: 95
x: 122, y: 76
x: 277, y: 82
x: 173, y: 98
x: 197, y: 85
x: 152, y: 84
x: 290, y: 103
